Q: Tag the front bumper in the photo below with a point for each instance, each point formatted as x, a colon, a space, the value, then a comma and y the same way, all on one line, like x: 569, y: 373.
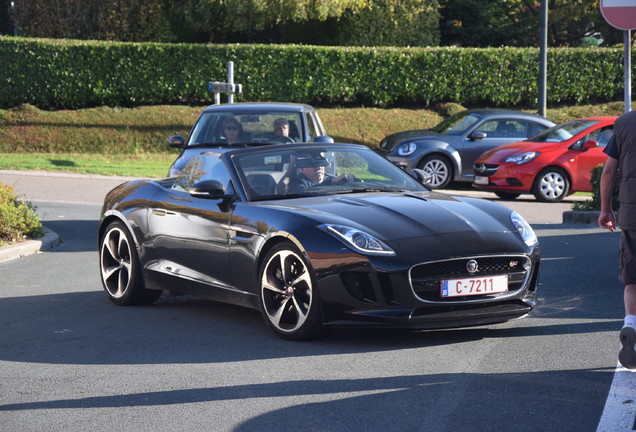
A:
x: 363, y: 297
x: 407, y: 164
x: 504, y: 178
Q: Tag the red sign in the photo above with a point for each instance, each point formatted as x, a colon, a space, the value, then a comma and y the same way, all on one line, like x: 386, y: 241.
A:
x: 620, y: 13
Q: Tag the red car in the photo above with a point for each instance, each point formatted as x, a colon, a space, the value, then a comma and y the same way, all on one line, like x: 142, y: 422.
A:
x: 551, y: 165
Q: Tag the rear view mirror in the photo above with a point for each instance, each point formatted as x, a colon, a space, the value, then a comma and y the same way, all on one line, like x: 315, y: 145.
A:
x: 421, y: 176
x: 478, y: 135
x: 323, y: 139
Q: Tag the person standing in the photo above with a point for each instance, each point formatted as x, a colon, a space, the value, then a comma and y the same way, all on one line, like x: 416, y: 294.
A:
x: 621, y: 158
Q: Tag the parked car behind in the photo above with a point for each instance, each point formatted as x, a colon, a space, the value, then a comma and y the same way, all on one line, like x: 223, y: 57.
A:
x: 448, y: 151
x: 257, y: 123
x: 551, y: 165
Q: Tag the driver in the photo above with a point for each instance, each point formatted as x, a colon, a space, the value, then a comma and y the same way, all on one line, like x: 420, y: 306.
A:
x: 281, y: 128
x: 311, y: 172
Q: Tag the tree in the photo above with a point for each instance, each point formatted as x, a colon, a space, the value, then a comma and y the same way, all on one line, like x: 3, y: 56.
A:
x: 484, y: 23
x: 218, y: 18
x: 391, y: 22
x: 57, y: 18
x: 129, y: 20
x: 134, y: 20
x: 380, y: 23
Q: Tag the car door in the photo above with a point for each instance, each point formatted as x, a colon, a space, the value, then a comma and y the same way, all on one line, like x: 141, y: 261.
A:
x: 497, y: 132
x: 582, y: 161
x: 190, y: 234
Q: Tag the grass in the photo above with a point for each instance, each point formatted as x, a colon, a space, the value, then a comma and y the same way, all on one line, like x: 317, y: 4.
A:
x: 131, y: 141
x: 143, y: 165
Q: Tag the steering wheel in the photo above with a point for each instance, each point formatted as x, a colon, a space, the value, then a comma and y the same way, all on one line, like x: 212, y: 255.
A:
x: 281, y: 139
x: 350, y: 178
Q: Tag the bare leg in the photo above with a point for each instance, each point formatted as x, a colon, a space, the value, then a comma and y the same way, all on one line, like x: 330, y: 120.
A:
x: 630, y: 299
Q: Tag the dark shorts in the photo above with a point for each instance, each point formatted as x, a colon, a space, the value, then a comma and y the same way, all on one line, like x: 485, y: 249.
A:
x: 627, y: 258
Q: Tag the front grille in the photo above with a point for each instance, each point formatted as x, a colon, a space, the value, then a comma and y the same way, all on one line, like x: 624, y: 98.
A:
x: 426, y: 277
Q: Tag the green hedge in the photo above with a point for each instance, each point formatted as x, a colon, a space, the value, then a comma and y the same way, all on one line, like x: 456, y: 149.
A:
x: 594, y: 203
x: 52, y: 73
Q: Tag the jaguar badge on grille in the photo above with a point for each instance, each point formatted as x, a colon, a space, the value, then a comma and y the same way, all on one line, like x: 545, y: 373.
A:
x: 472, y: 266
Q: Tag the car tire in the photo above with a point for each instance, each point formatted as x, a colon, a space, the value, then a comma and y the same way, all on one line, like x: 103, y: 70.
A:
x: 289, y: 300
x: 439, y: 170
x: 508, y: 196
x: 120, y: 269
x: 551, y: 185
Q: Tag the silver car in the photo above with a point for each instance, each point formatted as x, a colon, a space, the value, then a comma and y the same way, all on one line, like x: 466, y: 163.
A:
x: 448, y: 151
x: 252, y: 123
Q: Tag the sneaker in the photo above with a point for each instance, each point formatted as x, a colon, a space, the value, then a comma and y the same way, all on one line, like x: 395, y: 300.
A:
x: 627, y: 355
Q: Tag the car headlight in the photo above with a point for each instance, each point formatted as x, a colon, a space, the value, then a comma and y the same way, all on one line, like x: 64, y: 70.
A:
x: 524, y: 229
x: 407, y: 149
x: 357, y: 240
x: 522, y: 158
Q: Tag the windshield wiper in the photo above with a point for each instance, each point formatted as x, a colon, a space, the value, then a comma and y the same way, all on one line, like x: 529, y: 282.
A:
x: 369, y: 189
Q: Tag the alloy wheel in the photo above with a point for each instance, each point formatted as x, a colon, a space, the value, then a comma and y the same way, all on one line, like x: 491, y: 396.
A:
x: 116, y: 262
x: 286, y: 291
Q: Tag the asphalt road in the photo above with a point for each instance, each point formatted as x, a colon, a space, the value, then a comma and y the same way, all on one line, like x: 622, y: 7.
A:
x: 72, y: 361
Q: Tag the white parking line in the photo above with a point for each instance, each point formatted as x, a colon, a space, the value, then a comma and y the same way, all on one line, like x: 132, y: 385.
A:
x: 619, y: 413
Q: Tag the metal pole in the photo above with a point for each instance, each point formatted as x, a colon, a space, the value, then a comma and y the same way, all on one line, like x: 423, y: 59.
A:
x: 543, y: 58
x: 14, y: 9
x: 627, y: 63
x: 230, y: 79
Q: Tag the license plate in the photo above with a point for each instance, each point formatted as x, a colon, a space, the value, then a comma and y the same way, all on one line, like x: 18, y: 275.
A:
x: 474, y: 286
x: 480, y: 180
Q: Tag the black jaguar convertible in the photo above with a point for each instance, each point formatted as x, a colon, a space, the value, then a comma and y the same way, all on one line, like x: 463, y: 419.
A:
x: 317, y: 235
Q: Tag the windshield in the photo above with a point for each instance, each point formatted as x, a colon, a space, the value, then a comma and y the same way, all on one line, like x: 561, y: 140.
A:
x: 228, y: 127
x: 562, y: 132
x: 457, y: 123
x: 316, y: 171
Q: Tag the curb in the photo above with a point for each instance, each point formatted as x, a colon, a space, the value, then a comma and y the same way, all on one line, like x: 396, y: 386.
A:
x: 580, y: 217
x: 48, y: 241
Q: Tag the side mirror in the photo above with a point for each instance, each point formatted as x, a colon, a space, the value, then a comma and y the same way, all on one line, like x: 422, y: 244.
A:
x: 211, y: 189
x: 421, y: 176
x: 478, y: 136
x: 589, y: 144
x: 324, y: 139
x: 176, y: 141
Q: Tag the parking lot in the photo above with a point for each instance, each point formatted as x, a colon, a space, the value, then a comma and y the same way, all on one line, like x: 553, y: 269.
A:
x: 70, y: 360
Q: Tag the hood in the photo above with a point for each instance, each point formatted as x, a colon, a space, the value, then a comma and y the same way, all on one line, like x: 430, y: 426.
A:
x: 392, y: 217
x: 498, y: 154
x: 390, y: 142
